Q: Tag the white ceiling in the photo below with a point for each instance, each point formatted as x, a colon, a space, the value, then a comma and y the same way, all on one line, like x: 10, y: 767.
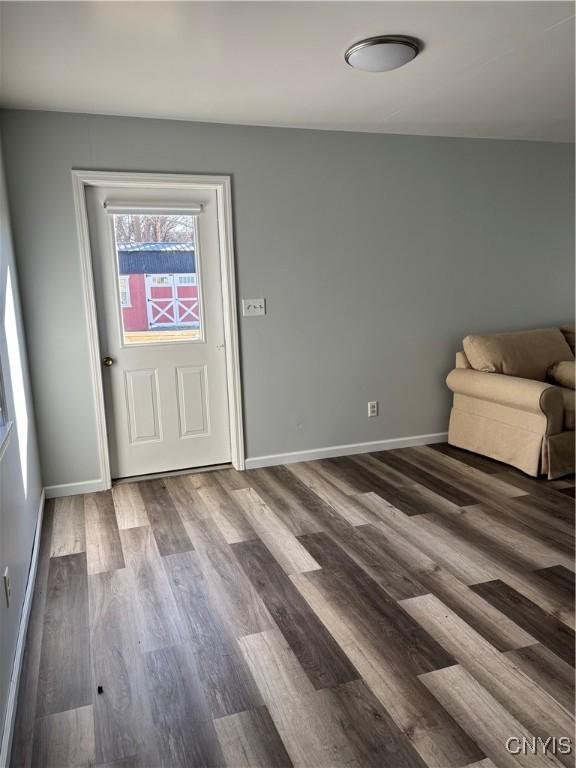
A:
x: 488, y: 69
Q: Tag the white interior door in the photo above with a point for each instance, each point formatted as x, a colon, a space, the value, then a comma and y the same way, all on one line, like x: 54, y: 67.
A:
x: 158, y: 292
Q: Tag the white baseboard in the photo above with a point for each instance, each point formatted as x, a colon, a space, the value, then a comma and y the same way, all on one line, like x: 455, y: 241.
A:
x: 12, y: 703
x: 345, y: 450
x: 92, y: 486
x: 73, y: 489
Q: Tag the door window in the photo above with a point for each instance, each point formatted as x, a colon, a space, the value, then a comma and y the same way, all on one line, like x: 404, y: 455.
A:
x: 158, y: 282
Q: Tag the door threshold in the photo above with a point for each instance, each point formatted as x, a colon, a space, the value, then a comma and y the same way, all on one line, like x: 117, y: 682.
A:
x: 170, y: 473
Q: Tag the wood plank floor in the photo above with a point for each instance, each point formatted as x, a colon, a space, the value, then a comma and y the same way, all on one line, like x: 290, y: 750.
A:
x: 403, y: 609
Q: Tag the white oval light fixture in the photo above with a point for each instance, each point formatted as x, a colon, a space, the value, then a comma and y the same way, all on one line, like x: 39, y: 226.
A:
x: 382, y: 53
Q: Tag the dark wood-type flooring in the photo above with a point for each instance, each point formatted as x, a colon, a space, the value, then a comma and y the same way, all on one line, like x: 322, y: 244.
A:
x: 402, y: 609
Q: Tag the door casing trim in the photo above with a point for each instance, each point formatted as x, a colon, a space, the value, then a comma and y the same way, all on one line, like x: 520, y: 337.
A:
x: 221, y: 185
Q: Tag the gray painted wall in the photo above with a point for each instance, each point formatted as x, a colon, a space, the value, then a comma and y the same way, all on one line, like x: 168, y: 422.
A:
x: 20, y: 486
x: 376, y: 254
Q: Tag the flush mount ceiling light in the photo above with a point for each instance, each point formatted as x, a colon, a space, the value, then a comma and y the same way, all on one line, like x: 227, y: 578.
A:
x: 382, y: 53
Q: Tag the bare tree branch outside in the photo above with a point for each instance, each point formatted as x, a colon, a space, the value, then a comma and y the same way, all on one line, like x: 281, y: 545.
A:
x: 132, y: 229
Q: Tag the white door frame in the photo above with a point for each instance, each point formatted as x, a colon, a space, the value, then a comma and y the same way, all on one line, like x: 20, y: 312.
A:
x: 221, y: 185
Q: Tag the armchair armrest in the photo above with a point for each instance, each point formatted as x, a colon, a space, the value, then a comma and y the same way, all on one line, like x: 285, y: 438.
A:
x: 524, y: 394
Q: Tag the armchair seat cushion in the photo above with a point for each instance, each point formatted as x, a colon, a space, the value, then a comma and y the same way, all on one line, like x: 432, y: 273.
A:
x: 525, y: 354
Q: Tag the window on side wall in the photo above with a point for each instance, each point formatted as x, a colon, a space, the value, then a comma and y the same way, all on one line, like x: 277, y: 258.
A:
x: 125, y: 291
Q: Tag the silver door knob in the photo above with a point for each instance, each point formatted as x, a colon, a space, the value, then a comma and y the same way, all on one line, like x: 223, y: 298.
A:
x: 107, y: 362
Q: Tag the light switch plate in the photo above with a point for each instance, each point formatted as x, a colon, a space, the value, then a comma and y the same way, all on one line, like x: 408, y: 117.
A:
x: 253, y: 307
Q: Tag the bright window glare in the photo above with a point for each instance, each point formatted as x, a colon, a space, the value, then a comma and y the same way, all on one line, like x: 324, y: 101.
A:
x: 16, y: 379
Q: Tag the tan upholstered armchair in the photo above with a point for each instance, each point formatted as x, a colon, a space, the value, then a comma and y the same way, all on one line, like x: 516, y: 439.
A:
x: 507, y: 404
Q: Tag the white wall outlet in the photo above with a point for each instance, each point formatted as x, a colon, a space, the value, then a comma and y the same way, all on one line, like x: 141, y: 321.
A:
x: 7, y: 591
x: 253, y: 307
x: 372, y: 408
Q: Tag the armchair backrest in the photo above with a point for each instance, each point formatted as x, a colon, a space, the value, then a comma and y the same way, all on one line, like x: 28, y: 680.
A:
x: 526, y: 354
